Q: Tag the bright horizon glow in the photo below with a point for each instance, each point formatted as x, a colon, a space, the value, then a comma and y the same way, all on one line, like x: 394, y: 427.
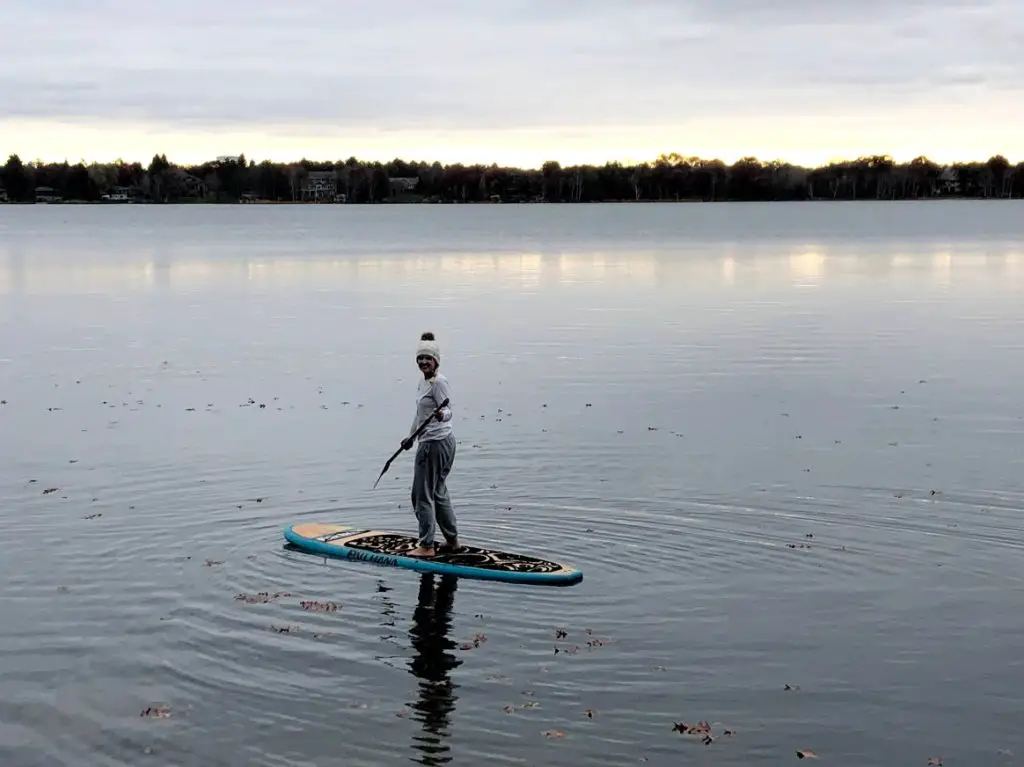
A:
x: 92, y: 141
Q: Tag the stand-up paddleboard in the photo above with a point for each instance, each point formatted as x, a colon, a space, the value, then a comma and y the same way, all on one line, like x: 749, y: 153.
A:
x: 389, y: 548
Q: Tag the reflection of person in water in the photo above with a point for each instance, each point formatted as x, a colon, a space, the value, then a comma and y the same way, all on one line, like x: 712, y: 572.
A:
x: 432, y: 662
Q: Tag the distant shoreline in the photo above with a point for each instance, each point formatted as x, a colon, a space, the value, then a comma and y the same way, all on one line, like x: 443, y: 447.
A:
x: 414, y: 202
x: 670, y: 178
x: 446, y: 203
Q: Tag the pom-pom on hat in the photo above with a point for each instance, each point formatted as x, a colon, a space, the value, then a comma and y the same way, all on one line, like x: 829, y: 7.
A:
x: 429, y: 346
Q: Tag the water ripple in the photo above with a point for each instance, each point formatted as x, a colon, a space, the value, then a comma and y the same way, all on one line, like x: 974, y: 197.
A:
x: 769, y: 477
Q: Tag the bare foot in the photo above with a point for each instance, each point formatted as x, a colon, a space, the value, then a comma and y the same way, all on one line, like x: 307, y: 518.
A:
x: 420, y: 551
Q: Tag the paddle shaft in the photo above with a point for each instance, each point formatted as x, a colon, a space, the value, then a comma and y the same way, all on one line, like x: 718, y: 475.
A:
x: 416, y: 433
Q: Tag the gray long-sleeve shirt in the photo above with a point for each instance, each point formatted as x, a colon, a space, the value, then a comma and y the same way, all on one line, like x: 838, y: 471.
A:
x: 430, y: 394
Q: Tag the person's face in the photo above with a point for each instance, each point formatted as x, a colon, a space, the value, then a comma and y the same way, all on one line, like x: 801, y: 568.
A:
x: 426, y: 364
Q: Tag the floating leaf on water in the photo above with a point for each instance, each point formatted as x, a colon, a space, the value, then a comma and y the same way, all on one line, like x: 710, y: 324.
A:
x: 262, y: 597
x: 530, y: 704
x: 323, y: 607
x: 935, y: 761
x: 284, y: 629
x: 806, y: 753
x: 791, y: 687
x: 508, y: 709
x: 560, y: 634
x: 156, y: 712
x: 701, y: 728
x: 49, y: 490
x: 212, y: 562
x: 553, y: 734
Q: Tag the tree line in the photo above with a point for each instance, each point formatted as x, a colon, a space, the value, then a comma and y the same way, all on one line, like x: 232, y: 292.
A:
x: 670, y: 177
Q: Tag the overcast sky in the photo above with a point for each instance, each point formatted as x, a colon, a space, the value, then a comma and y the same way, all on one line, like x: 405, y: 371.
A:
x: 512, y: 81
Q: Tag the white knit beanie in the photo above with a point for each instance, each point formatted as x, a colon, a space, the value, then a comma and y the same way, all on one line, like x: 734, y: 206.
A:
x: 429, y: 346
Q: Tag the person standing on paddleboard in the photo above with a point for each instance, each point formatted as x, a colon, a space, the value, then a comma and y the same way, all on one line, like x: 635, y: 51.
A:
x: 434, y: 456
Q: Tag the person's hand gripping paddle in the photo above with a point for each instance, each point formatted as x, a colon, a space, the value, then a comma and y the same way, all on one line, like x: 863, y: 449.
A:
x: 407, y: 442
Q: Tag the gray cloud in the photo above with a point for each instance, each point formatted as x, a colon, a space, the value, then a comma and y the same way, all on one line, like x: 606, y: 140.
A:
x: 513, y: 64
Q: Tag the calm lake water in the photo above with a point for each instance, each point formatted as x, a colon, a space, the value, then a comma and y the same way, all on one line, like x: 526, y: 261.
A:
x: 785, y: 443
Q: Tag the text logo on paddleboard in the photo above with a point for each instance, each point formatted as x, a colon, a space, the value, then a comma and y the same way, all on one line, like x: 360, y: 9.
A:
x: 370, y: 556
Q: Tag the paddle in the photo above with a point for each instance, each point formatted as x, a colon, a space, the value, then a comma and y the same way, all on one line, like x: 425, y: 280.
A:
x: 416, y: 433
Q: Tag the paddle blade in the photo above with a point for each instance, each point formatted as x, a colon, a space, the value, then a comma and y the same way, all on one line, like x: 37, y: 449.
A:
x: 387, y: 466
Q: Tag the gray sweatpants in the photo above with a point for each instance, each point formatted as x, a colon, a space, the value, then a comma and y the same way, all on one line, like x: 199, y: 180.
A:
x: 430, y: 501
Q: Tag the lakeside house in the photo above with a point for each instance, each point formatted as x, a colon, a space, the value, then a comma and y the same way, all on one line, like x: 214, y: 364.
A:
x: 400, y: 184
x: 949, y: 181
x: 187, y: 185
x: 118, y: 194
x: 47, y: 194
x: 319, y: 186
